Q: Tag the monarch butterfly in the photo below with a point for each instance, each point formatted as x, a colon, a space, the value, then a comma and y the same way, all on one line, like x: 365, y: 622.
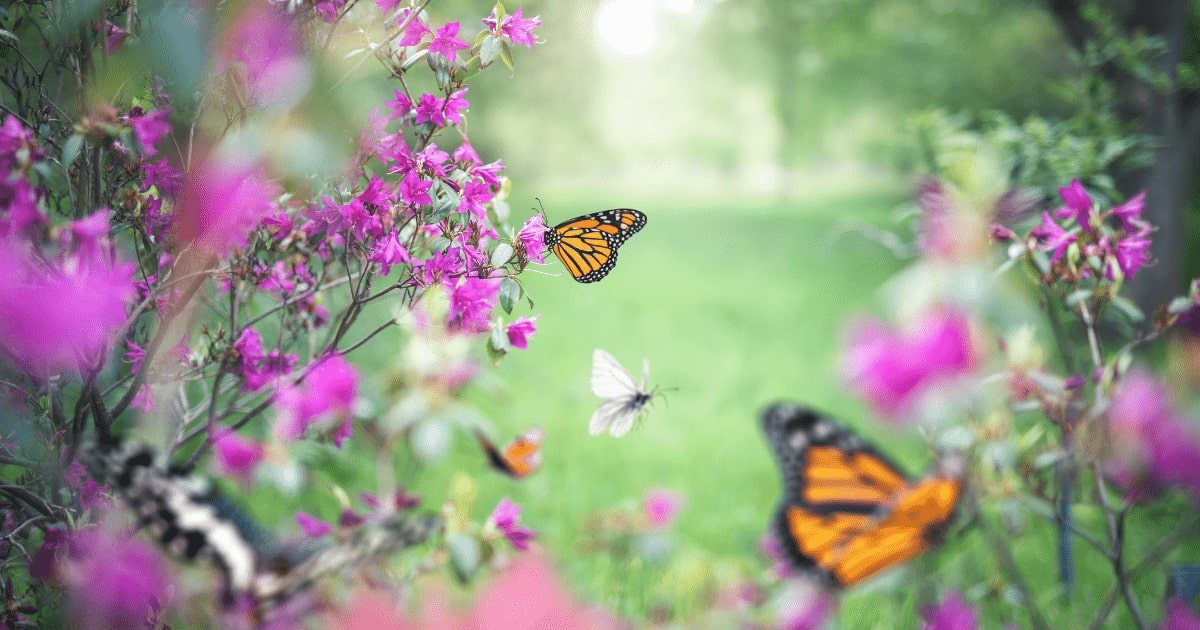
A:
x: 625, y: 400
x: 587, y: 245
x: 520, y: 458
x: 847, y: 511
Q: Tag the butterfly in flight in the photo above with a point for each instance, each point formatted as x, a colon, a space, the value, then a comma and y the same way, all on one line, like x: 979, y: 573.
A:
x: 848, y: 513
x: 520, y: 458
x: 587, y: 245
x: 625, y: 400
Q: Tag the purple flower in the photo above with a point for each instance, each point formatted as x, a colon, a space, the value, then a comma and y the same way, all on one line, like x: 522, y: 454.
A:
x: 1179, y: 616
x: 388, y: 251
x: 805, y: 608
x: 236, y: 456
x: 61, y: 316
x: 328, y: 10
x: 1132, y: 253
x: 327, y: 395
x: 446, y: 42
x: 531, y: 239
x: 44, y: 564
x: 149, y: 128
x: 1153, y: 446
x: 312, y: 526
x: 115, y: 37
x: 400, y: 106
x: 162, y: 175
x: 662, y: 506
x: 474, y: 195
x: 471, y: 302
x: 429, y: 109
x: 520, y: 331
x: 1130, y: 213
x: 19, y: 209
x: 894, y: 369
x: 517, y: 28
x: 952, y: 614
x: 455, y: 105
x: 114, y: 582
x: 262, y: 50
x: 1079, y: 205
x: 770, y: 547
x: 1052, y: 236
x: 90, y: 492
x: 414, y: 190
x: 415, y: 31
x: 221, y: 204
x: 505, y: 519
x: 1001, y: 234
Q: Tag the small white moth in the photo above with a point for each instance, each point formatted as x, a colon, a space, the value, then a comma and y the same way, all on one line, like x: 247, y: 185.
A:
x: 624, y: 400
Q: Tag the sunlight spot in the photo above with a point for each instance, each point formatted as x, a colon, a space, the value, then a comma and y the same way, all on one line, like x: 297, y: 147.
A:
x: 681, y: 6
x: 628, y: 27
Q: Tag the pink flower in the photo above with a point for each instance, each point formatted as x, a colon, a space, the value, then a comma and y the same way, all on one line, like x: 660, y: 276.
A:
x: 770, y: 547
x: 312, y: 526
x: 61, y: 315
x: 1052, y: 236
x: 504, y: 517
x: 1132, y: 253
x: 327, y: 395
x: 414, y: 190
x: 162, y: 175
x: 475, y: 195
x: 531, y: 239
x: 1079, y: 205
x: 115, y: 37
x: 662, y: 506
x: 414, y: 32
x: 471, y: 302
x: 113, y: 582
x: 1179, y: 616
x: 517, y: 28
x: 388, y: 251
x: 1001, y: 234
x: 894, y: 369
x: 1153, y: 445
x: 90, y: 492
x: 236, y: 456
x: 1130, y: 213
x: 261, y: 49
x: 221, y: 204
x: 952, y: 614
x: 805, y: 608
x: 44, y: 564
x: 149, y: 128
x: 401, y: 105
x: 520, y: 331
x: 446, y: 42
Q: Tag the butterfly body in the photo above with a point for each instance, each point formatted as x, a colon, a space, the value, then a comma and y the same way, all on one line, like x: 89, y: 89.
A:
x: 520, y: 458
x: 848, y: 512
x: 587, y: 245
x: 625, y: 400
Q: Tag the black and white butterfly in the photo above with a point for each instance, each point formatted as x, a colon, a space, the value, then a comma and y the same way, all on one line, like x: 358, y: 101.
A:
x: 192, y: 521
x: 625, y: 401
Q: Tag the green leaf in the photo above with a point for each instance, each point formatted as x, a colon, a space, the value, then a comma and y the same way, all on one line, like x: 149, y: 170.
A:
x: 1179, y: 305
x: 502, y: 254
x: 439, y: 244
x: 71, y: 149
x: 464, y: 555
x: 8, y: 35
x: 506, y: 55
x: 510, y: 294
x: 488, y: 50
x: 502, y: 210
x: 1126, y: 306
x: 474, y: 66
x: 497, y: 341
x: 1077, y: 296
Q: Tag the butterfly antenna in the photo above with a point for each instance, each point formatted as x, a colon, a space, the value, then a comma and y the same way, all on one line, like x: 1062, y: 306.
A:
x: 542, y: 211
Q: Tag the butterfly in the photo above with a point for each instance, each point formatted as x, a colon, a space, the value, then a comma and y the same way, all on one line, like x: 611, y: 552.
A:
x: 848, y: 512
x: 587, y: 245
x: 520, y: 458
x: 625, y: 400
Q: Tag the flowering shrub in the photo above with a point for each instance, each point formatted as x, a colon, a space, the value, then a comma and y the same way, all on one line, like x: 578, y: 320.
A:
x: 170, y: 269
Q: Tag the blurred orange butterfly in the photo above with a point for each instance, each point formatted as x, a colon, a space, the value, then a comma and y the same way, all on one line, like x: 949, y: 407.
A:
x: 520, y: 458
x: 847, y: 512
x: 587, y: 245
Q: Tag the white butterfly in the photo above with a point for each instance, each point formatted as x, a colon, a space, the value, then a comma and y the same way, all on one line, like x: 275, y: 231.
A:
x: 624, y: 400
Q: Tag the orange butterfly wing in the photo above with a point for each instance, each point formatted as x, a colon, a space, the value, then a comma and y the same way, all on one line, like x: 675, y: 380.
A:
x: 587, y: 245
x: 849, y: 513
x: 519, y: 459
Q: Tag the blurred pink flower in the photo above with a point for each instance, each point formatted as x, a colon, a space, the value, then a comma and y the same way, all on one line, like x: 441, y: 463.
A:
x: 221, y: 204
x: 446, y: 42
x: 471, y: 302
x: 149, y: 128
x: 1132, y: 253
x: 312, y: 526
x: 1130, y: 213
x: 90, y: 492
x: 115, y: 37
x: 1153, y: 445
x: 805, y: 607
x: 113, y: 581
x: 504, y: 517
x: 952, y: 614
x: 261, y: 49
x: 526, y: 595
x: 892, y: 369
x: 235, y: 455
x: 1079, y: 205
x: 44, y: 564
x: 661, y: 506
x: 516, y: 27
x: 61, y: 315
x: 1052, y: 236
x: 1180, y: 616
x: 327, y: 395
x: 520, y: 331
x: 414, y: 32
x: 770, y: 547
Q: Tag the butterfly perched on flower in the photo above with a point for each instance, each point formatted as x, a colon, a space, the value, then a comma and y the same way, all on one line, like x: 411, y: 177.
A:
x: 625, y: 400
x: 587, y: 245
x: 848, y: 512
x: 520, y: 458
